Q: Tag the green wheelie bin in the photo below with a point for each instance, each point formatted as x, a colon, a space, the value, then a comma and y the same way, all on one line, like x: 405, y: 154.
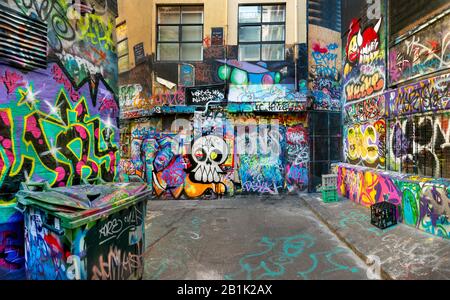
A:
x: 86, y: 232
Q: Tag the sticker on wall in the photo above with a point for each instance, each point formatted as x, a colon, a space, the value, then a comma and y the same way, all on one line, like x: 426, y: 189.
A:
x: 186, y: 75
x: 217, y: 36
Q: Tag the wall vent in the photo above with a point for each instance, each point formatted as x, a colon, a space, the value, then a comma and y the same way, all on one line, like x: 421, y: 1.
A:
x: 23, y: 40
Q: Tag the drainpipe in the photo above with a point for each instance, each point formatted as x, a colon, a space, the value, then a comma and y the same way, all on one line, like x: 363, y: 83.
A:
x: 296, y: 46
x: 226, y: 42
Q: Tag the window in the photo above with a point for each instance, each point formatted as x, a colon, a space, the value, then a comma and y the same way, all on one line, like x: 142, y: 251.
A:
x: 122, y: 47
x: 180, y: 33
x: 262, y: 32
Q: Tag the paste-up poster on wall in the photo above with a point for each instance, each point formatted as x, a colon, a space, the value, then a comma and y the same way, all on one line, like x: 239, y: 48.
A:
x: 206, y: 94
x: 216, y: 36
x: 139, y: 53
x: 186, y: 75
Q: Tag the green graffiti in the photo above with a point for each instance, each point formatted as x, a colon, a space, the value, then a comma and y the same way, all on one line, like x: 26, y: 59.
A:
x: 410, y: 201
x: 239, y: 77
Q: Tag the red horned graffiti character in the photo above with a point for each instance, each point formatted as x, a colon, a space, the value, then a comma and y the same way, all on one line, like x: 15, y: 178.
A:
x: 369, y: 43
x: 352, y: 47
x: 360, y: 45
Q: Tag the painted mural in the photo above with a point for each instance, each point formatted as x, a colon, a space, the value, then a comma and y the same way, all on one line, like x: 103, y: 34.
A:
x: 422, y: 202
x: 253, y: 87
x: 364, y: 52
x: 419, y: 145
x: 425, y: 52
x: 217, y: 154
x: 81, y: 37
x: 52, y: 130
x: 365, y: 144
x: 266, y: 86
x: 324, y: 68
x: 297, y: 153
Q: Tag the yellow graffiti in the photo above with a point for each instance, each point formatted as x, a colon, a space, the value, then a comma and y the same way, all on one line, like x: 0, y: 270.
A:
x: 368, y: 191
x: 191, y: 189
x: 362, y: 144
x: 95, y: 29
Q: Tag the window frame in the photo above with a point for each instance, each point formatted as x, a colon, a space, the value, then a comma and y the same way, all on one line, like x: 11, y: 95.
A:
x: 128, y: 49
x: 261, y: 24
x: 180, y: 26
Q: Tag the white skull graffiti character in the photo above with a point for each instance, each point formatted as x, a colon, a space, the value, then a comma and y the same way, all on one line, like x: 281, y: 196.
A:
x: 209, y: 152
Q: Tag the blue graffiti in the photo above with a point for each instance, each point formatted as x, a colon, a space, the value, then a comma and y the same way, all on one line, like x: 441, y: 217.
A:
x: 329, y: 257
x: 272, y: 261
x: 278, y: 253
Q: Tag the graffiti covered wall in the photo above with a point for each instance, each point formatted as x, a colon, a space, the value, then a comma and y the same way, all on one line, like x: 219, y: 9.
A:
x: 364, y: 81
x: 218, y: 154
x: 160, y: 87
x: 58, y: 124
x: 55, y: 132
x: 422, y: 202
x: 420, y: 145
x: 428, y: 95
x: 403, y: 129
x: 423, y: 53
x: 365, y: 144
x: 364, y: 55
x: 81, y: 37
x: 228, y: 95
x: 324, y: 68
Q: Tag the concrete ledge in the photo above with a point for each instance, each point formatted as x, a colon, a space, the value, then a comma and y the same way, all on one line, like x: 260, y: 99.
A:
x: 404, y: 252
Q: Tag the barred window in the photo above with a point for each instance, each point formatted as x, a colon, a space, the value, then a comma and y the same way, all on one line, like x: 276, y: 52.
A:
x: 180, y: 33
x: 262, y: 32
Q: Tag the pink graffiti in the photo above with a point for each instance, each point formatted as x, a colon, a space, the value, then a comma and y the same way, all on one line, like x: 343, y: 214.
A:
x: 5, y: 118
x: 32, y: 127
x: 81, y: 131
x: 109, y: 104
x: 207, y: 41
x: 168, y: 98
x: 12, y: 81
x: 61, y: 173
x: 60, y: 77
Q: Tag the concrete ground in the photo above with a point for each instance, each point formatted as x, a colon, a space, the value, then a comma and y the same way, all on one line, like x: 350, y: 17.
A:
x: 402, y: 252
x: 244, y: 238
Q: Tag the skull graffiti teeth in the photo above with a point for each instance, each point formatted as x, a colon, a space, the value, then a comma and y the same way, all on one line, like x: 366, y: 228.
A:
x: 209, y: 152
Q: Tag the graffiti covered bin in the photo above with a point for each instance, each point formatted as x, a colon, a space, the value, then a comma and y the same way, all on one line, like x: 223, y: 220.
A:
x: 86, y: 232
x: 12, y: 260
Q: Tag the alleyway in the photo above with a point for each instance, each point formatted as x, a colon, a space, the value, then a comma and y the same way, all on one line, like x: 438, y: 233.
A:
x: 243, y: 238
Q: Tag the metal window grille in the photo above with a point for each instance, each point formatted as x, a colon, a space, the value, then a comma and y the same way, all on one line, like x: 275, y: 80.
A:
x: 23, y: 40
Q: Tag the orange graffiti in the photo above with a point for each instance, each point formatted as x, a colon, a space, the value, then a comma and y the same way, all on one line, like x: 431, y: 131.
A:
x: 191, y: 189
x: 367, y: 86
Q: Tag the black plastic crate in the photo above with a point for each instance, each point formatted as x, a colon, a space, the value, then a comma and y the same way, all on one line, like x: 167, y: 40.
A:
x: 383, y: 215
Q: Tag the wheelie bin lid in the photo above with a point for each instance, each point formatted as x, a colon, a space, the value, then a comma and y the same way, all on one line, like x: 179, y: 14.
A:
x: 78, y: 205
